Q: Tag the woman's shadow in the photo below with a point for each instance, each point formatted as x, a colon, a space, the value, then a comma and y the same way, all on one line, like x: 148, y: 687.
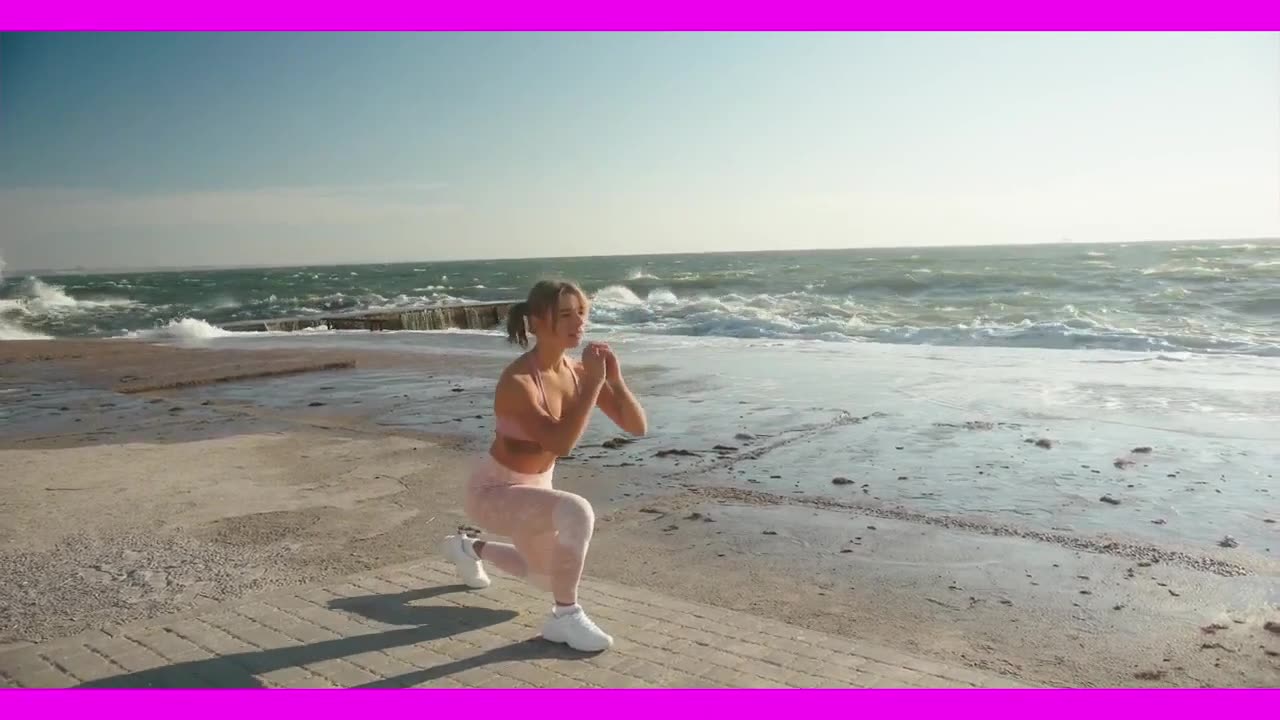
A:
x: 424, y: 623
x: 401, y: 613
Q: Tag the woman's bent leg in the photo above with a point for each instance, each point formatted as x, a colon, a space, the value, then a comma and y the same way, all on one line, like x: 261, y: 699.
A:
x: 551, y: 531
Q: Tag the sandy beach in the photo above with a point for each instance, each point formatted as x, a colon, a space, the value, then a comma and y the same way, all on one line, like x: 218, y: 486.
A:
x: 142, y: 479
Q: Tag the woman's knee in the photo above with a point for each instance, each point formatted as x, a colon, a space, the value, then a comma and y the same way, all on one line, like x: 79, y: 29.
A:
x: 575, y: 520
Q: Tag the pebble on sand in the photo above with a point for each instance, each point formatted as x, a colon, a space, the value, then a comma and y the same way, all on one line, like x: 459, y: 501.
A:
x: 1045, y: 443
x: 1144, y: 450
x: 841, y: 481
x: 1228, y: 542
x: 1109, y: 500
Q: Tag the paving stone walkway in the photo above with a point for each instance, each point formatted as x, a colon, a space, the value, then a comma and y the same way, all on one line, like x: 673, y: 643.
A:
x: 414, y: 626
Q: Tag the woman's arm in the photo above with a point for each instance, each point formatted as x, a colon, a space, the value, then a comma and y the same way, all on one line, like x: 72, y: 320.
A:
x: 617, y: 401
x: 622, y: 407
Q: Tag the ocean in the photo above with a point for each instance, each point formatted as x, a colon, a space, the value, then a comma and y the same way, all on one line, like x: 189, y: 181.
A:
x: 1151, y: 372
x: 1193, y: 298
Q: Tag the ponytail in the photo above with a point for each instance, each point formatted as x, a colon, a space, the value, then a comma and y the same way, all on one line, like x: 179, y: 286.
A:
x: 517, y: 330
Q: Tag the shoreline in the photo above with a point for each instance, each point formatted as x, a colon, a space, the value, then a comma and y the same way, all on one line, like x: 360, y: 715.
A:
x: 351, y: 494
x: 1144, y: 554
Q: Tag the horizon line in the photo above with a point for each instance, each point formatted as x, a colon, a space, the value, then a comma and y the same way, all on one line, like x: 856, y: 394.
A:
x: 128, y: 269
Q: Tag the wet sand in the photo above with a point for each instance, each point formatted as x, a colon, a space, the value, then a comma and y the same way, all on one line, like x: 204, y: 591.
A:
x: 120, y: 506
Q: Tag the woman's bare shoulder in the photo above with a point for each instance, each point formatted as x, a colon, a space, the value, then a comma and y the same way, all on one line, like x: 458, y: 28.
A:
x: 515, y: 375
x: 518, y: 366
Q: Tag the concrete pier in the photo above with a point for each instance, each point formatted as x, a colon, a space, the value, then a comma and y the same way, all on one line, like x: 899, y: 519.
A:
x: 467, y: 316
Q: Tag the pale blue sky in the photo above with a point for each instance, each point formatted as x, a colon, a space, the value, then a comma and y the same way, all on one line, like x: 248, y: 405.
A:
x: 241, y: 149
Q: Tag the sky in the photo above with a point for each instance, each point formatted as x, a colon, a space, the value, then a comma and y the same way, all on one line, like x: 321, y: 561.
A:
x: 244, y: 149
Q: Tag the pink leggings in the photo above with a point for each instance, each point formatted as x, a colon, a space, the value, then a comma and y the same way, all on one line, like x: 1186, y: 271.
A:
x: 550, y: 529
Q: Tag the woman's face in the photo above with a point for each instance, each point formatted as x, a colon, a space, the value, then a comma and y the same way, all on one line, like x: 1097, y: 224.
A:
x: 570, y: 322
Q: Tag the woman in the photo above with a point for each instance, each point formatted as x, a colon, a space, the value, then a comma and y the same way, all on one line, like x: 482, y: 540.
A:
x: 542, y: 404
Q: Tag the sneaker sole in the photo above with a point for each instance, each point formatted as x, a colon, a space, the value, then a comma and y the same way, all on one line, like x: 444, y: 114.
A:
x: 479, y: 584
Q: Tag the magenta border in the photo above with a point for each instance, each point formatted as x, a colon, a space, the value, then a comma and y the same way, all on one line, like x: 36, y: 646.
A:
x: 148, y: 15
x: 972, y: 704
x: 578, y: 15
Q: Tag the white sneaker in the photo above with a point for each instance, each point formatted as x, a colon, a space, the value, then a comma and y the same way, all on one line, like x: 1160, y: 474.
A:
x: 577, y: 631
x: 457, y: 548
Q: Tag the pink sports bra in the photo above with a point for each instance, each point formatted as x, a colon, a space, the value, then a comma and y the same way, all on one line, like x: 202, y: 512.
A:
x: 510, y: 426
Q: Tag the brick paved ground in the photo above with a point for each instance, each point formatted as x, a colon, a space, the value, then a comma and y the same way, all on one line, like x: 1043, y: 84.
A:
x: 414, y: 626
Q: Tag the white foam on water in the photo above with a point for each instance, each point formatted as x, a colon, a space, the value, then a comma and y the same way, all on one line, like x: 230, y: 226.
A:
x: 185, y: 329
x: 804, y: 315
x: 10, y: 330
x: 36, y: 297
